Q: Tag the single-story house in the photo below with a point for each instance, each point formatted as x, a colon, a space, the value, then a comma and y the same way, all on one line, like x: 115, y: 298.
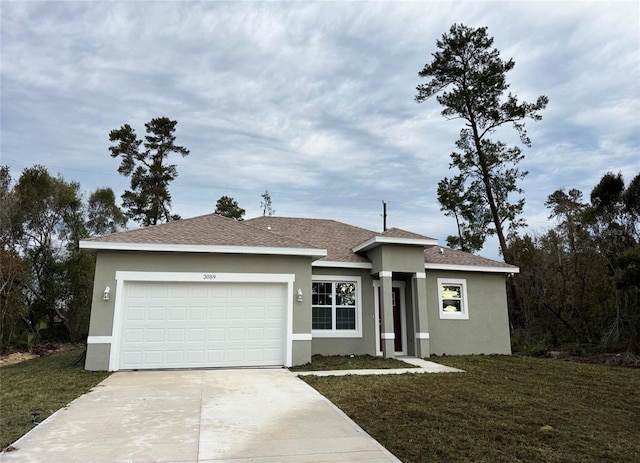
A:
x: 214, y: 292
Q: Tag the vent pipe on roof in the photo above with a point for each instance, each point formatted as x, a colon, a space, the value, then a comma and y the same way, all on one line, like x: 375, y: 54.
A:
x: 384, y: 216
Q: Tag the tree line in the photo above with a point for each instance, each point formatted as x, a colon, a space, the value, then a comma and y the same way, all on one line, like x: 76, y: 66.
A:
x: 579, y: 281
x: 46, y: 280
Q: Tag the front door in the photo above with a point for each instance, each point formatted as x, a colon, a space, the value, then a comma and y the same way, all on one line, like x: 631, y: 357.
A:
x: 397, y: 319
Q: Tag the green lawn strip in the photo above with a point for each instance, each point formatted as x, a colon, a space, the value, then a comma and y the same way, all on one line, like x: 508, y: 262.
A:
x: 503, y: 409
x: 351, y: 362
x: 41, y: 385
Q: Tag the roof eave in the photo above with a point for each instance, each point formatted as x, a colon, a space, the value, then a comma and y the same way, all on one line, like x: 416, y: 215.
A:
x: 339, y: 264
x: 471, y: 268
x: 212, y: 249
x: 379, y: 240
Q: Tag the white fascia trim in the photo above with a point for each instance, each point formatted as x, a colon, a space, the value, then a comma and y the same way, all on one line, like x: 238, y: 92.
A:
x: 376, y: 240
x: 301, y: 337
x: 388, y: 335
x: 202, y: 248
x: 420, y: 275
x: 335, y: 264
x: 385, y: 274
x: 471, y: 268
x: 422, y: 336
x: 206, y: 277
x: 99, y: 339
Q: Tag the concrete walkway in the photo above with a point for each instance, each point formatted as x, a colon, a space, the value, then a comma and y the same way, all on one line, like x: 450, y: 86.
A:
x: 231, y: 416
x: 424, y: 367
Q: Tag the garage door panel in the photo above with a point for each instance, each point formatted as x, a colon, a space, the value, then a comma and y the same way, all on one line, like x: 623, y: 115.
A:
x: 175, y: 357
x: 155, y: 335
x: 158, y: 292
x: 176, y: 313
x: 174, y: 291
x: 202, y: 325
x: 133, y: 335
x: 133, y: 358
x: 216, y: 334
x: 255, y: 334
x: 197, y: 313
x: 197, y: 334
x: 235, y: 334
x: 136, y: 313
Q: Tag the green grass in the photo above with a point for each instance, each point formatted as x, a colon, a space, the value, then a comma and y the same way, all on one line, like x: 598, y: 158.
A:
x: 503, y: 409
x: 41, y: 385
x: 348, y: 362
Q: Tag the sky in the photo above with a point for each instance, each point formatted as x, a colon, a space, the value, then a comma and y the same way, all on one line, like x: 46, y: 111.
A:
x: 313, y: 101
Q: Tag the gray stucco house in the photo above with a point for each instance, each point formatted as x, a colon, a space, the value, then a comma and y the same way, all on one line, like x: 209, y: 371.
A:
x: 213, y: 292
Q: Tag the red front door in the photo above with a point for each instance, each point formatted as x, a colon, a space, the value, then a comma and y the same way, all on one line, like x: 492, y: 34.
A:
x: 397, y: 319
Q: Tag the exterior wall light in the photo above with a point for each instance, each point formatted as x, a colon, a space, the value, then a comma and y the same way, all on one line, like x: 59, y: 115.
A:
x: 299, y: 295
x: 106, y: 294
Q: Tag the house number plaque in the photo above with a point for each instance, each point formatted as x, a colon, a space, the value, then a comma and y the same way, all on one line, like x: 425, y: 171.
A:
x: 209, y: 276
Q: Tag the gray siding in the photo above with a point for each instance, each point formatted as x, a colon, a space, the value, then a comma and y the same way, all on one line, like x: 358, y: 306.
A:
x: 487, y: 329
x: 109, y: 262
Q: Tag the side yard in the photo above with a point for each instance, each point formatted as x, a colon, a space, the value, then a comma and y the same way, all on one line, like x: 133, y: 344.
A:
x: 503, y: 409
x: 41, y: 385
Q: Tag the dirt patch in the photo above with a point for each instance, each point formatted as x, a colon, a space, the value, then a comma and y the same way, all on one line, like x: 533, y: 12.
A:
x: 39, y: 351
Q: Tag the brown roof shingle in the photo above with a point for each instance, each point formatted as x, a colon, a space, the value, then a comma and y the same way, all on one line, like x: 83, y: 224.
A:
x: 205, y: 230
x: 400, y: 233
x: 336, y: 237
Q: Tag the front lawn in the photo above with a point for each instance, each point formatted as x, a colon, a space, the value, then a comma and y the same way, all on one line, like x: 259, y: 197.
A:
x: 42, y: 385
x: 351, y: 362
x: 503, y: 409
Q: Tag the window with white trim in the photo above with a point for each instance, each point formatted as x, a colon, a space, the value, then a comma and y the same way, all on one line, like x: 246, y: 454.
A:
x: 335, y: 306
x: 452, y: 296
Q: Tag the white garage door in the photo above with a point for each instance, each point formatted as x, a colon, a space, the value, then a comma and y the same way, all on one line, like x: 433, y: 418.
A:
x: 191, y: 325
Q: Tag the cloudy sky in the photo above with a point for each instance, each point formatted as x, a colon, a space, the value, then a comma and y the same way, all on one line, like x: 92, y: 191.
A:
x: 313, y: 101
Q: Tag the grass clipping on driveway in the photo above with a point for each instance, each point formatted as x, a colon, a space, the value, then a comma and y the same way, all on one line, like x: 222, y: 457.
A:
x: 503, y: 409
x: 351, y: 362
x: 42, y: 385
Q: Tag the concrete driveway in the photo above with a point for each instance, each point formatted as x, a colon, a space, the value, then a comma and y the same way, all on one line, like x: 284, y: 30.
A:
x: 235, y: 416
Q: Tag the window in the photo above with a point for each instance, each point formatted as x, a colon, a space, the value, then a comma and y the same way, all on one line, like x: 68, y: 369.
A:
x: 335, y: 303
x: 452, y: 294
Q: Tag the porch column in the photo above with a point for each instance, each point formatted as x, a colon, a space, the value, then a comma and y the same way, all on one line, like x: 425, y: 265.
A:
x: 386, y: 305
x: 421, y: 320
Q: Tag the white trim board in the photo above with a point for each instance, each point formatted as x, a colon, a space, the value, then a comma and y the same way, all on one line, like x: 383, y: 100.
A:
x: 335, y: 264
x: 471, y: 268
x: 109, y: 246
x: 377, y: 240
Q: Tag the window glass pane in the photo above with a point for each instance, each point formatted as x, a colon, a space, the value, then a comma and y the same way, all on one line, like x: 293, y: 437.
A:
x: 345, y: 318
x: 346, y: 294
x: 451, y: 291
x: 321, y: 293
x: 321, y: 318
x: 451, y: 305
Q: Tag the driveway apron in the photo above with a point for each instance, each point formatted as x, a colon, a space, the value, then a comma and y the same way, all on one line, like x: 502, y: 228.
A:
x: 235, y: 416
